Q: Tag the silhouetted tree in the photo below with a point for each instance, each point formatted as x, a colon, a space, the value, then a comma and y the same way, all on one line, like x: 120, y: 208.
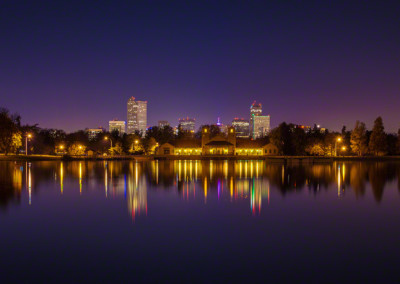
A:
x: 359, y: 138
x: 377, y: 141
x: 10, y: 134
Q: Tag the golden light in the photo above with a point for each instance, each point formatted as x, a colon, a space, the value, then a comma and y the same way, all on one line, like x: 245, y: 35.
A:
x: 29, y: 135
x: 106, y: 138
x: 61, y: 146
x: 80, y: 147
x: 231, y: 130
x: 205, y: 130
x: 343, y: 148
x: 136, y: 141
x: 339, y: 139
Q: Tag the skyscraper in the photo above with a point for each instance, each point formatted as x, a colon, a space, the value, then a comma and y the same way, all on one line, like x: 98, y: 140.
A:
x: 137, y: 116
x: 259, y: 124
x: 241, y: 127
x: 187, y: 124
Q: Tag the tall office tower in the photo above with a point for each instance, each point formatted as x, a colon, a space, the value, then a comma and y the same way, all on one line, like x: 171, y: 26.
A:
x: 137, y: 116
x: 116, y: 125
x: 163, y: 123
x: 259, y: 124
x: 255, y: 108
x: 187, y: 124
x: 241, y: 127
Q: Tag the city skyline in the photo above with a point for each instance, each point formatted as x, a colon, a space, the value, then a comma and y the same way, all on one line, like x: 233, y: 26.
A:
x: 204, y: 60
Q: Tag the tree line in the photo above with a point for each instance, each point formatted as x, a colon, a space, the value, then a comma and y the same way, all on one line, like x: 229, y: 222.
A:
x: 292, y: 140
x: 289, y: 138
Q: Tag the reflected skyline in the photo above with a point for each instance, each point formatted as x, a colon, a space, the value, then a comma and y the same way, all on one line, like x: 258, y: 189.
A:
x: 194, y: 180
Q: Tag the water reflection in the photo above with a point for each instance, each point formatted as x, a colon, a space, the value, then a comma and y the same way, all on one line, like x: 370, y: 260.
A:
x: 219, y: 181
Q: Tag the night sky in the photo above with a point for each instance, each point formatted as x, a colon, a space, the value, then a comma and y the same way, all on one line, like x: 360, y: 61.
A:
x: 73, y: 65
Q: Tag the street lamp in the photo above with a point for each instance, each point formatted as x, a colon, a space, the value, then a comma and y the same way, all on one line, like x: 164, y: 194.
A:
x: 343, y: 149
x: 106, y: 138
x: 339, y: 139
x: 28, y: 136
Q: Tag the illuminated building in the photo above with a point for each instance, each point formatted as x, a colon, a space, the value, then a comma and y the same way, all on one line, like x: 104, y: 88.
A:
x: 259, y: 124
x: 307, y: 129
x: 137, y: 116
x: 163, y: 123
x: 220, y: 145
x: 93, y: 132
x: 116, y: 125
x: 187, y: 124
x: 256, y: 108
x: 241, y: 127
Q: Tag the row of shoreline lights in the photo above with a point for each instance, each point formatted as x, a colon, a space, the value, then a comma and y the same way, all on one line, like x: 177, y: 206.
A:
x: 29, y: 136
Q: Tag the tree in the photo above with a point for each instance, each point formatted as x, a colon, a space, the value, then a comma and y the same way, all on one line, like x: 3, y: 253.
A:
x: 282, y: 138
x: 377, y: 141
x: 398, y: 141
x: 358, y: 138
x: 117, y: 149
x: 161, y: 135
x: 16, y: 141
x: 391, y: 140
x: 9, y: 131
x: 315, y: 150
x: 299, y: 141
x: 76, y: 150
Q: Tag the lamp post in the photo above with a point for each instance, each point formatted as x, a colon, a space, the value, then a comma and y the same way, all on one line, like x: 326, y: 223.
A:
x: 28, y: 136
x: 339, y: 139
x: 343, y: 150
x: 106, y: 138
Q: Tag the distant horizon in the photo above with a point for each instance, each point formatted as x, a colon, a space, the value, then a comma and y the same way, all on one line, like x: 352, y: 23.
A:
x: 198, y: 125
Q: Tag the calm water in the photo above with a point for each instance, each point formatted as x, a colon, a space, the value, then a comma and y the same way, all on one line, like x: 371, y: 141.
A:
x: 205, y: 221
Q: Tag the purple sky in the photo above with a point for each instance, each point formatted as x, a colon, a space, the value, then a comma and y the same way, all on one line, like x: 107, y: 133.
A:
x: 70, y: 65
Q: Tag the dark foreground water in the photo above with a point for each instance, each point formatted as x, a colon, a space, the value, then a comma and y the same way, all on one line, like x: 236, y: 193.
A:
x: 205, y: 221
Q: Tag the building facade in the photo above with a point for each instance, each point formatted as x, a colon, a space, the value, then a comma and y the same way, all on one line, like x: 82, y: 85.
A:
x: 242, y: 127
x: 259, y: 124
x: 219, y: 145
x: 136, y: 116
x: 118, y: 125
x: 187, y: 124
x: 163, y: 123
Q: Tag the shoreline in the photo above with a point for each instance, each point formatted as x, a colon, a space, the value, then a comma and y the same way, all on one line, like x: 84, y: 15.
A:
x: 271, y: 159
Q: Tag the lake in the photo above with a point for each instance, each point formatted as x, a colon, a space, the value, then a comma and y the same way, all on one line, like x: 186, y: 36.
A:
x: 199, y: 221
